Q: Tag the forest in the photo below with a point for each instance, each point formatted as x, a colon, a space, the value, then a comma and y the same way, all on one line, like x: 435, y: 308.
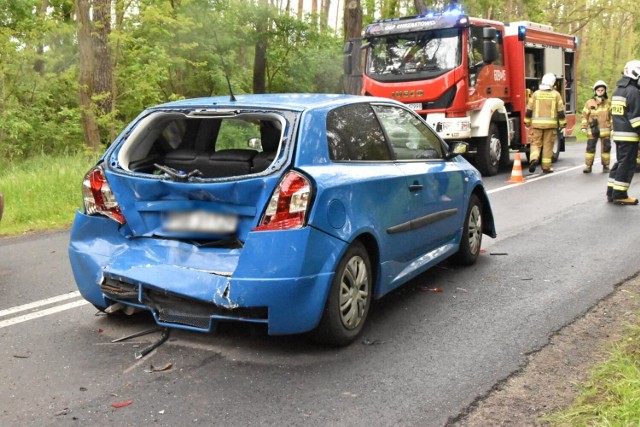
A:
x: 75, y: 72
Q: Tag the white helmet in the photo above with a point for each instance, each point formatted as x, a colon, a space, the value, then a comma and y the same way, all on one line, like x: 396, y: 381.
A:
x: 632, y: 69
x: 598, y: 84
x: 549, y: 79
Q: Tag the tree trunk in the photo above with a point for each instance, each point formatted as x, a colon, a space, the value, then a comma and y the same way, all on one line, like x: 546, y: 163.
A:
x: 102, y: 74
x: 260, y: 58
x: 421, y: 6
x: 353, y: 31
x: 324, y: 15
x: 103, y: 71
x: 85, y: 76
x: 38, y: 65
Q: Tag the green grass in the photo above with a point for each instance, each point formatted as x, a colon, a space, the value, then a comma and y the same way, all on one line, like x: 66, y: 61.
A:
x: 41, y: 193
x: 611, y: 397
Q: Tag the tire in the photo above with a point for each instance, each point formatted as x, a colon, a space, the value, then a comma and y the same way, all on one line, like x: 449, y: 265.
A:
x: 349, y: 299
x: 489, y: 152
x: 471, y: 239
x: 556, y: 148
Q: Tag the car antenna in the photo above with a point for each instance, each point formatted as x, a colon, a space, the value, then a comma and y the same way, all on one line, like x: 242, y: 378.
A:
x: 224, y: 67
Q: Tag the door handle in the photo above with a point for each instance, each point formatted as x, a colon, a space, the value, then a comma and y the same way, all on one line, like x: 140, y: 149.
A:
x: 415, y: 187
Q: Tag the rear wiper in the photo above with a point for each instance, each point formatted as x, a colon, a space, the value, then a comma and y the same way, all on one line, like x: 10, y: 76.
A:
x: 176, y: 175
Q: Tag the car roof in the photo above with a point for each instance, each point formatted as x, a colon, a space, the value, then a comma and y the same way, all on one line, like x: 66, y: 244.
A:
x: 288, y: 101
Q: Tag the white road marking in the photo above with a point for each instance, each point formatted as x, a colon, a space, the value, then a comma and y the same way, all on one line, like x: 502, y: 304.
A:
x: 535, y: 178
x: 40, y: 303
x: 42, y: 313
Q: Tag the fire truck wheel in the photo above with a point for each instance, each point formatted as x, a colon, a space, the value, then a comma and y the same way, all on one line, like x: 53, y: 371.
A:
x: 489, y: 152
x: 556, y: 150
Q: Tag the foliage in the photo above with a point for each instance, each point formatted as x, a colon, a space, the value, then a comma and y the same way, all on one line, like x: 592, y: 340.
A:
x: 611, y: 397
x: 42, y: 192
x: 164, y: 50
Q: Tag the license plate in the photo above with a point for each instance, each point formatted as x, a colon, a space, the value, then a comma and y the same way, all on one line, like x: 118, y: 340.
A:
x: 415, y: 106
x: 201, y: 222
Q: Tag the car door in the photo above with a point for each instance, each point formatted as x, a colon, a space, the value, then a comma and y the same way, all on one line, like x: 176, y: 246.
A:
x: 435, y: 186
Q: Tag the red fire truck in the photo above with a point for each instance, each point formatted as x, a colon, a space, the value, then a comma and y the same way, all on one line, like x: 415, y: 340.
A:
x: 470, y: 78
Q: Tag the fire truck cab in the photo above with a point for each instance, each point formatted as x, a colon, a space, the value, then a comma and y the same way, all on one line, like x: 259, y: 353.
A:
x: 470, y: 78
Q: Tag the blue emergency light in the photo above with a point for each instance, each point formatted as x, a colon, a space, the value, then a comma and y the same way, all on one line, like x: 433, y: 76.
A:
x: 522, y: 32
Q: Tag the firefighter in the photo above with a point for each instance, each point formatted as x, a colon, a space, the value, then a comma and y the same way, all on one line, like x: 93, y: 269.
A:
x: 625, y: 113
x: 545, y: 113
x: 596, y: 124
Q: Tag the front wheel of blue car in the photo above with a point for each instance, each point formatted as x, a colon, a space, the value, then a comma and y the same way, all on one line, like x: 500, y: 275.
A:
x: 349, y: 299
x: 471, y: 233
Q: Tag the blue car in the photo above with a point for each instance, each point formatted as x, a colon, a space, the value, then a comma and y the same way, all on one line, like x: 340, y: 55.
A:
x: 289, y: 210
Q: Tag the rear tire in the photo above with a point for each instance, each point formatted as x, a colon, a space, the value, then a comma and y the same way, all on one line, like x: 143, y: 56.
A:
x: 489, y: 152
x: 471, y: 239
x: 349, y: 299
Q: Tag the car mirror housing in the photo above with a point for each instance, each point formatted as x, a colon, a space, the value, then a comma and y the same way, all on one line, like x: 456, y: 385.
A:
x: 456, y: 148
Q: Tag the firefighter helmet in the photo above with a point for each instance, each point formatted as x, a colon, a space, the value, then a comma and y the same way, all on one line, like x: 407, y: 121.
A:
x: 598, y: 84
x: 632, y: 69
x: 548, y: 80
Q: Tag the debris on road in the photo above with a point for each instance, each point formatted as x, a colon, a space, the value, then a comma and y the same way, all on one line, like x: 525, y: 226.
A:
x: 165, y: 367
x: 122, y: 404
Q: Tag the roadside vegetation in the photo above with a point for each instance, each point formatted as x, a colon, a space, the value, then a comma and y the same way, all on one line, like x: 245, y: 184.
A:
x: 611, y: 397
x: 42, y: 192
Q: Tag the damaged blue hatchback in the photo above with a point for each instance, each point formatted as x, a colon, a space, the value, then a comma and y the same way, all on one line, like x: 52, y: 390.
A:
x: 290, y: 210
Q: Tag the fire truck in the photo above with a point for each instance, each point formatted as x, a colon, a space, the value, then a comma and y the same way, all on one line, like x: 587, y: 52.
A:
x: 470, y: 78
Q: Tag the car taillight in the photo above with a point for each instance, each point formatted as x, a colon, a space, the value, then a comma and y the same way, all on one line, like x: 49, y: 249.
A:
x: 98, y: 197
x: 288, y: 206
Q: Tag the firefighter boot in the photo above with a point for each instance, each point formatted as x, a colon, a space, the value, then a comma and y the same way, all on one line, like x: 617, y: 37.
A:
x: 588, y: 162
x: 626, y: 201
x: 605, y: 169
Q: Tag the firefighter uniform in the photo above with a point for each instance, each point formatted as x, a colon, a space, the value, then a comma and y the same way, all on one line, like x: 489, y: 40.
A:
x: 596, y: 123
x: 545, y: 113
x: 625, y: 111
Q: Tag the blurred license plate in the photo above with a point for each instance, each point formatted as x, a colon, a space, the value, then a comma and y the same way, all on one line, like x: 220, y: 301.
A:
x: 201, y: 222
x: 415, y: 106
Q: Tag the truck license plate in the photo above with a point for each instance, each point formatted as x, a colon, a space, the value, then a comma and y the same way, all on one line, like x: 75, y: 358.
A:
x: 415, y: 106
x: 201, y: 222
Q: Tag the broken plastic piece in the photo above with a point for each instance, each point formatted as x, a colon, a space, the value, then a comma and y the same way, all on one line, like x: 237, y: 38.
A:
x: 122, y: 404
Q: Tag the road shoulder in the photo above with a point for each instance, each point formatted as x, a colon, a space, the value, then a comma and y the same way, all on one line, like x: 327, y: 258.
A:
x: 552, y: 375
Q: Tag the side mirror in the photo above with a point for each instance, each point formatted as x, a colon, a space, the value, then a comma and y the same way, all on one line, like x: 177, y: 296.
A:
x: 489, y: 45
x: 457, y: 148
x: 255, y: 143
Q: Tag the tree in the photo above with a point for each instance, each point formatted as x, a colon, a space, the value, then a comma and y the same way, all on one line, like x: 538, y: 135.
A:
x: 86, y: 68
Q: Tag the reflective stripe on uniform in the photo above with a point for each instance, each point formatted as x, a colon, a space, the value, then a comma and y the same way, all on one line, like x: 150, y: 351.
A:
x: 625, y: 136
x: 544, y: 120
x: 621, y: 100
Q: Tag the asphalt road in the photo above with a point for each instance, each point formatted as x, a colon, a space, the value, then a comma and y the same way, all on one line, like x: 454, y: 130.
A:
x: 424, y: 358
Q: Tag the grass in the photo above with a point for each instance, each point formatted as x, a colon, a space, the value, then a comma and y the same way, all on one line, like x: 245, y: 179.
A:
x: 41, y: 193
x: 611, y: 397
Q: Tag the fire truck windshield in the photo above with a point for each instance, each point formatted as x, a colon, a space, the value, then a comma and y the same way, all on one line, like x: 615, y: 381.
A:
x: 413, y: 56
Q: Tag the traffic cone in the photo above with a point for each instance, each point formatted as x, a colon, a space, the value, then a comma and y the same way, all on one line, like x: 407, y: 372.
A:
x: 516, y: 174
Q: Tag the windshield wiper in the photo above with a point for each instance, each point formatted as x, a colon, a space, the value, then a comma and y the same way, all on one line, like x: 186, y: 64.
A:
x: 176, y: 175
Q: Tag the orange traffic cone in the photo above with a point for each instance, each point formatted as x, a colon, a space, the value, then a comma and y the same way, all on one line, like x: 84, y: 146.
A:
x: 516, y: 174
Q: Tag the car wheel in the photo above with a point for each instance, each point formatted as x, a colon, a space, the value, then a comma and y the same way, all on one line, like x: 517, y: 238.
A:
x: 489, y: 151
x: 349, y: 299
x: 471, y: 233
